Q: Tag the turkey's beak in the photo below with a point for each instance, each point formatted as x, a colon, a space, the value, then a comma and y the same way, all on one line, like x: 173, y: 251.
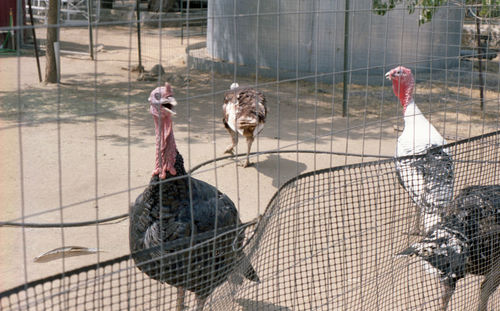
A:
x: 388, y: 75
x: 168, y: 105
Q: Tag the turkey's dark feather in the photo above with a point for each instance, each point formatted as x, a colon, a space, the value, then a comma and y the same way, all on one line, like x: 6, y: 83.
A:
x: 467, y: 240
x: 174, y: 229
x: 428, y: 178
x: 478, y: 210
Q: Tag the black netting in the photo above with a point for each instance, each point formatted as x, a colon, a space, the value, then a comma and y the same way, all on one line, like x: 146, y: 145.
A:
x: 328, y: 240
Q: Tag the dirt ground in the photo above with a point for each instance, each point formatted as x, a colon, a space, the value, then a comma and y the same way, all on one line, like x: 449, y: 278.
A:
x: 87, y: 144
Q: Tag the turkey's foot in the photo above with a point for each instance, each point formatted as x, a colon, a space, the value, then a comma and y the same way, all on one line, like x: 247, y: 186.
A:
x: 246, y: 164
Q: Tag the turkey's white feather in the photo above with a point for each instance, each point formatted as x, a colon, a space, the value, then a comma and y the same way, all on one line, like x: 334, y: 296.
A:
x: 258, y: 129
x: 428, y: 179
x: 418, y: 134
x: 231, y: 110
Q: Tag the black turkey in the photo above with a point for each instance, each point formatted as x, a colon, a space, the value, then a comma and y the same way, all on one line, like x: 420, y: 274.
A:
x: 183, y: 231
x: 466, y: 241
x: 244, y: 112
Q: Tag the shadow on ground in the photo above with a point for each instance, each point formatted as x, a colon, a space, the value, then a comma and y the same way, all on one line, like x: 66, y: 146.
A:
x: 251, y: 305
x: 287, y: 168
x: 298, y: 111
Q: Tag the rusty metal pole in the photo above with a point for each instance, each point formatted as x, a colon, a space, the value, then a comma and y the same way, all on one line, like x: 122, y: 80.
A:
x: 138, y: 8
x: 346, y: 58
x: 30, y: 10
x: 91, y: 39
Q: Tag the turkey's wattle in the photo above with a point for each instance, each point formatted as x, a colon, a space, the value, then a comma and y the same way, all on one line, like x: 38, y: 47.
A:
x: 162, y: 104
x: 402, y: 84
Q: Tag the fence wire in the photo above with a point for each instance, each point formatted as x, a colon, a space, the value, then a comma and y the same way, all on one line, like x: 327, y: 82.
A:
x: 328, y: 240
x: 73, y: 155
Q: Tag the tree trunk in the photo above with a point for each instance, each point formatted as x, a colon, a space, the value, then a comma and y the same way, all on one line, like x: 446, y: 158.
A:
x: 50, y: 66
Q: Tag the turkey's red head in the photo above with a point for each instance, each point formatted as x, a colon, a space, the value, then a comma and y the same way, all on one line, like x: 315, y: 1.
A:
x: 162, y: 105
x: 402, y: 84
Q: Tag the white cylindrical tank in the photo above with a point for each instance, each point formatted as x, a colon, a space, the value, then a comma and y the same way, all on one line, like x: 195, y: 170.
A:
x: 308, y: 36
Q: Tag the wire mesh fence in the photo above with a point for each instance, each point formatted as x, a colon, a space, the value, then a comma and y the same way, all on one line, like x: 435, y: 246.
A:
x: 77, y: 152
x: 328, y: 240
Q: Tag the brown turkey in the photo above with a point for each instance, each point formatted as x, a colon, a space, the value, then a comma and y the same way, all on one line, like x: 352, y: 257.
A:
x: 244, y: 113
x: 183, y: 231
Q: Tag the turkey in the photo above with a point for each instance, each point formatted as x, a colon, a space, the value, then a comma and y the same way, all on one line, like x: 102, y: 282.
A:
x: 244, y: 112
x: 428, y: 174
x: 467, y: 240
x: 183, y: 231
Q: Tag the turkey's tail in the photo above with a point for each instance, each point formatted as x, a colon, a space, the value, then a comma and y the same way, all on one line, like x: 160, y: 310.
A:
x: 250, y: 272
x: 247, y: 122
x: 245, y: 269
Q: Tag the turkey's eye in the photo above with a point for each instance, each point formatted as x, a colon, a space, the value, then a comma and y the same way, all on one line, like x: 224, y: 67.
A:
x: 157, y: 96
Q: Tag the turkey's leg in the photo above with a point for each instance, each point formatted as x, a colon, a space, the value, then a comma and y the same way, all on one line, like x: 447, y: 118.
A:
x: 234, y: 141
x: 249, y: 147
x: 200, y: 303
x: 489, y: 285
x: 181, y: 293
x: 420, y: 218
x: 448, y: 292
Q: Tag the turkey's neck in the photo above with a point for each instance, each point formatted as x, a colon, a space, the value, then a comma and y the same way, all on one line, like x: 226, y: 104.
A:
x: 406, y: 100
x: 411, y: 111
x: 416, y: 125
x: 404, y: 91
x: 166, y: 150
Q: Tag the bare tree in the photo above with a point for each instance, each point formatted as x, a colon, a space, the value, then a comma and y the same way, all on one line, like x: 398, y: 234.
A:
x: 50, y: 67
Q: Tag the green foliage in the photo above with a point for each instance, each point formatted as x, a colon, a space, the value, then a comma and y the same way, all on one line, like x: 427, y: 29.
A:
x: 489, y: 8
x: 427, y: 8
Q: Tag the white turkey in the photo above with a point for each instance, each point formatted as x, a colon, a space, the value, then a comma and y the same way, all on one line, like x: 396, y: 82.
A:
x: 427, y: 175
x: 466, y: 241
x: 184, y: 231
x: 244, y: 113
